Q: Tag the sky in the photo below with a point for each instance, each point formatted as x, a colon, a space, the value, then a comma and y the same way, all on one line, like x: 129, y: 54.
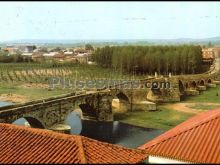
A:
x: 108, y: 20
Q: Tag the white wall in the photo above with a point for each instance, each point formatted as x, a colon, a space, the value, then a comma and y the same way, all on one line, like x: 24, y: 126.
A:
x: 162, y: 160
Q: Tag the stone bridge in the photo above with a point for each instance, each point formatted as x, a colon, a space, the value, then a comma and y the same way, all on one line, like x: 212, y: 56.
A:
x: 49, y: 112
x: 98, y: 105
x: 183, y: 85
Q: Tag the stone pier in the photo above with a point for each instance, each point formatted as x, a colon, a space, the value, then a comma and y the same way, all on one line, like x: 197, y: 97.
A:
x: 61, y: 128
x: 201, y: 88
x: 164, y: 96
x: 216, y: 82
x: 211, y: 85
x: 145, y: 105
x: 191, y: 92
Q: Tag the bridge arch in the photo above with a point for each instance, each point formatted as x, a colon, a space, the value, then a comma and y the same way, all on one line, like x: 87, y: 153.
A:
x: 209, y: 81
x: 192, y: 84
x: 32, y: 121
x: 120, y: 101
x: 122, y: 97
x: 87, y: 111
x: 186, y: 85
x: 181, y: 87
x: 202, y: 83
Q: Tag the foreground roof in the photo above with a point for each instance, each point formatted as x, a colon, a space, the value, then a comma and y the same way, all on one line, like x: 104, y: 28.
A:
x: 28, y: 145
x: 195, y: 140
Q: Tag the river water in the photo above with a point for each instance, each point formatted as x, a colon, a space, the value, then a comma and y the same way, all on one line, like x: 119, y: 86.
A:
x: 4, y: 103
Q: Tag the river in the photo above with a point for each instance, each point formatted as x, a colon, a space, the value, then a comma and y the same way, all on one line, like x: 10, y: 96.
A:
x: 4, y: 103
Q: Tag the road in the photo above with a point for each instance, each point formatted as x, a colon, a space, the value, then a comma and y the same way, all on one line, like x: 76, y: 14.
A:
x: 216, y: 65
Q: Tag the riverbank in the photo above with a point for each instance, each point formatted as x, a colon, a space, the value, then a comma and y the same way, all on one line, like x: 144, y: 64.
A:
x: 162, y: 118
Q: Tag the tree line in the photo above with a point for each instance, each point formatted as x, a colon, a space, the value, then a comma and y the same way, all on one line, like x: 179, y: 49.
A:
x: 183, y: 59
x: 15, y: 58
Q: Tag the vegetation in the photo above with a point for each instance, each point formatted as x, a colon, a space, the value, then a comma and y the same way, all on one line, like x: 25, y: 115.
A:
x: 16, y: 58
x: 30, y: 93
x: 89, y: 47
x: 41, y: 72
x: 208, y: 96
x: 163, y: 118
x: 184, y: 59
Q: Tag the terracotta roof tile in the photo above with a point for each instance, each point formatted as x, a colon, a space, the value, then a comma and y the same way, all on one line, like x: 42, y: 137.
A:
x: 195, y: 140
x: 28, y: 145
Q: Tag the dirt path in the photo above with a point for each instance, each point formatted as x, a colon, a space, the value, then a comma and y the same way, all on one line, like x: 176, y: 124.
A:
x: 14, y: 98
x: 187, y: 107
x: 35, y: 85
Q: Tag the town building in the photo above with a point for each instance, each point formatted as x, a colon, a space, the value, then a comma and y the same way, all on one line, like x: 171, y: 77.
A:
x: 50, y: 54
x: 208, y: 55
x: 196, y: 140
x: 20, y: 144
x: 216, y: 51
x: 59, y: 57
x: 82, y: 58
x: 27, y: 48
x: 27, y: 54
x: 38, y: 57
x: 11, y: 49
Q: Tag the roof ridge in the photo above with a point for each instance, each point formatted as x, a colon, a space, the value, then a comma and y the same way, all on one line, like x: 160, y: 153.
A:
x: 170, y: 134
x: 81, y: 149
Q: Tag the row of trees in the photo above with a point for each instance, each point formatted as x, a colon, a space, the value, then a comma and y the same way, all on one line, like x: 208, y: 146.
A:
x: 184, y: 59
x: 5, y: 58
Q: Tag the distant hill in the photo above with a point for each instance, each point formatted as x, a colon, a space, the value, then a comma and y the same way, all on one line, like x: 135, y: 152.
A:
x: 204, y: 41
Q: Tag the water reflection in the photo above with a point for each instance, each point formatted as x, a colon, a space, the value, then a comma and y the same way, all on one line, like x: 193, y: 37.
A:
x: 75, y: 122
x: 119, y: 133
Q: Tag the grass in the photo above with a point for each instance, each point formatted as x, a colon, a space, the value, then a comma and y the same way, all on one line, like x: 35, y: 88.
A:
x: 208, y: 96
x: 31, y: 93
x: 163, y: 118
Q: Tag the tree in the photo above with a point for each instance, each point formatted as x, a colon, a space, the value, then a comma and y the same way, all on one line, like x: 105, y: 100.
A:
x: 149, y: 59
x: 89, y: 47
x: 209, y: 44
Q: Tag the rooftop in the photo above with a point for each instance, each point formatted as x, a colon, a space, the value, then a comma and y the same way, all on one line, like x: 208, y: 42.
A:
x: 28, y: 145
x: 195, y: 140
